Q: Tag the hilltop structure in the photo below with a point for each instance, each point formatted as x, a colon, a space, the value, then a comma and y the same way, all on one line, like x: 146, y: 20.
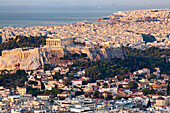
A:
x: 60, y: 42
x: 35, y: 58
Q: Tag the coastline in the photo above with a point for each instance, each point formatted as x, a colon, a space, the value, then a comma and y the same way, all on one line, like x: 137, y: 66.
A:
x: 45, y: 19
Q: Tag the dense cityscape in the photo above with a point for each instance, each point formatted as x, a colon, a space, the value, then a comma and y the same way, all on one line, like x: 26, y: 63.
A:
x: 117, y: 33
x: 120, y: 65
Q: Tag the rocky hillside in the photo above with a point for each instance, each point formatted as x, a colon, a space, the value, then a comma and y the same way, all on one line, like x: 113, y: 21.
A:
x: 34, y: 58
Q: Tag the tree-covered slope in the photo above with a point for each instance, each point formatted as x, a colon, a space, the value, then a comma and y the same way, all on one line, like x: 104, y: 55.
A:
x: 150, y: 52
x: 22, y: 41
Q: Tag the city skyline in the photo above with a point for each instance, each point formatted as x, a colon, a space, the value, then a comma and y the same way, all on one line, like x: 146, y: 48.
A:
x: 85, y: 56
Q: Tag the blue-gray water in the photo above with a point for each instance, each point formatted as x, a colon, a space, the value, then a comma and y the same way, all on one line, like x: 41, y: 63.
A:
x: 43, y: 15
x: 48, y: 18
x: 46, y: 15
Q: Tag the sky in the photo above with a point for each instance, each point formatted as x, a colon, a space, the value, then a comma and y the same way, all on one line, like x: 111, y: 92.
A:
x: 83, y: 2
x: 55, y: 2
x: 42, y: 5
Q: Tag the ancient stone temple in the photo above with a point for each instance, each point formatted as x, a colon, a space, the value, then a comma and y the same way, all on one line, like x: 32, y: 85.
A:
x: 59, y: 42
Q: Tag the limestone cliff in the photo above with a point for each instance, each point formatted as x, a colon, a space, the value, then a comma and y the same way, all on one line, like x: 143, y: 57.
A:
x: 34, y: 58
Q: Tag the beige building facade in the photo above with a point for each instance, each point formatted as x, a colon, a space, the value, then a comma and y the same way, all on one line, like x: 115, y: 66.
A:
x: 160, y: 101
x: 22, y: 90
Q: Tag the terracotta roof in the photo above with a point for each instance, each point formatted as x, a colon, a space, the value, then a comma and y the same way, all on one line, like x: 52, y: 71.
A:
x: 22, y: 87
x: 76, y: 80
x: 42, y: 95
x: 157, y: 86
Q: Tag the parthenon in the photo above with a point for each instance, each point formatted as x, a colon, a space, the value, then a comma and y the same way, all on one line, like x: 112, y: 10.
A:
x: 59, y: 42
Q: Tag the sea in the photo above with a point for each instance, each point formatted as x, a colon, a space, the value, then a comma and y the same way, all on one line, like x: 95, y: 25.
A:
x: 18, y: 16
x: 49, y: 18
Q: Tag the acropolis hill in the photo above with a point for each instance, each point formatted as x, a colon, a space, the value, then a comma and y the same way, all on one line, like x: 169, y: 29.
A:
x: 124, y: 28
x: 34, y: 58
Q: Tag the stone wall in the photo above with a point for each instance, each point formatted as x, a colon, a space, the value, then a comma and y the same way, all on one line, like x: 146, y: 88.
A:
x: 20, y: 52
x: 34, y: 58
x: 23, y: 58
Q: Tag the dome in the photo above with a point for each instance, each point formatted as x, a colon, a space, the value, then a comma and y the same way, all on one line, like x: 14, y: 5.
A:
x: 160, y: 98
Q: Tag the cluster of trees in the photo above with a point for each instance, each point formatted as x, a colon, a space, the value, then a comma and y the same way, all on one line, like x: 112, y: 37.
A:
x: 67, y: 81
x: 121, y: 67
x: 73, y: 56
x: 46, y: 67
x: 95, y: 94
x: 35, y: 91
x: 168, y: 88
x: 53, y: 92
x: 150, y: 52
x: 152, y: 76
x: 120, y: 97
x: 57, y: 76
x: 22, y: 41
x: 148, y: 91
x: 152, y: 91
x: 13, y: 80
x: 132, y: 85
x: 33, y: 83
x: 108, y: 96
x: 79, y: 55
x: 77, y: 93
x: 18, y: 79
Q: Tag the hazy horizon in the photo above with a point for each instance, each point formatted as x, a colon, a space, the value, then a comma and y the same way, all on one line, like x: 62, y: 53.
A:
x: 66, y: 5
x: 24, y: 12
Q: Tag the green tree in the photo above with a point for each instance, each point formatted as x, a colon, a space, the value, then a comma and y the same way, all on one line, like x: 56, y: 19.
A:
x: 148, y: 104
x: 84, y: 55
x: 148, y: 91
x: 14, y: 79
x: 77, y: 93
x: 46, y: 67
x: 120, y: 86
x: 160, y: 93
x: 145, y: 91
x: 22, y: 41
x: 109, y: 96
x: 105, y: 84
x: 65, y: 57
x: 152, y: 76
x: 42, y: 86
x: 57, y: 76
x: 98, y: 84
x: 133, y: 85
x: 168, y: 89
x: 96, y: 94
x: 120, y: 97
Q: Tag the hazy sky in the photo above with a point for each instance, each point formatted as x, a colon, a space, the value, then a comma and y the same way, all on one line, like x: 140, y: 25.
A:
x: 82, y: 4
